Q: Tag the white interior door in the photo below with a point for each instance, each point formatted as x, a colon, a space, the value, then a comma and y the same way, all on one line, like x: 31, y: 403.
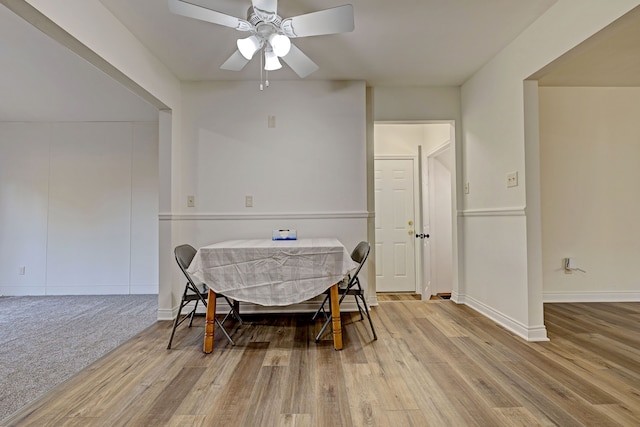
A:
x: 441, y: 226
x: 395, y: 232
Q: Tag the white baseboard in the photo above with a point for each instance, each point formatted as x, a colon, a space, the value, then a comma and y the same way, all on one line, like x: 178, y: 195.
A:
x: 167, y: 313
x: 532, y: 334
x: 248, y: 308
x: 41, y: 290
x: 592, y: 296
x: 143, y: 289
x: 22, y: 290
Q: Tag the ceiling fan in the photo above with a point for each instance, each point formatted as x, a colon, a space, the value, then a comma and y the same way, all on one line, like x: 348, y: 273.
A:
x: 271, y: 33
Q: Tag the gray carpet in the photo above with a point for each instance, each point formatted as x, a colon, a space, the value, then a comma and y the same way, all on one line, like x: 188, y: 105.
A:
x: 45, y: 340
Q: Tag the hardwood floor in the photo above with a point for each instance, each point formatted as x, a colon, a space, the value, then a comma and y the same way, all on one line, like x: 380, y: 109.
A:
x: 435, y: 363
x: 402, y: 296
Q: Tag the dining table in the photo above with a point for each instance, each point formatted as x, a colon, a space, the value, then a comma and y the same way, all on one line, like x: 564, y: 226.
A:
x: 272, y: 273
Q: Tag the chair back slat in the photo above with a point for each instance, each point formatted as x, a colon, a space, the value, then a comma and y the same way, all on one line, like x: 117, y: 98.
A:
x: 359, y: 255
x: 184, y: 255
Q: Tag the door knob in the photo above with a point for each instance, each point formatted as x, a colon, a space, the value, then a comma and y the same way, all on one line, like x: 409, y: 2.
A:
x: 411, y: 232
x: 410, y: 222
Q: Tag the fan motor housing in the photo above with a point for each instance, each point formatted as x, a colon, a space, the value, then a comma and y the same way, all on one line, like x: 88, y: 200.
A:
x: 256, y: 17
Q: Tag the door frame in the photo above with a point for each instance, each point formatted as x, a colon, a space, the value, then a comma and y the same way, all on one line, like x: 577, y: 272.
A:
x: 456, y: 231
x: 417, y: 220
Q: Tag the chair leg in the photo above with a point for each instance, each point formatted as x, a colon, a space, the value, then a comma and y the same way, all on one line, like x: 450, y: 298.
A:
x: 175, y: 325
x: 193, y: 313
x: 359, y: 307
x: 224, y: 331
x: 366, y: 310
x: 327, y: 318
x: 233, y: 312
x: 321, y: 309
x: 324, y: 328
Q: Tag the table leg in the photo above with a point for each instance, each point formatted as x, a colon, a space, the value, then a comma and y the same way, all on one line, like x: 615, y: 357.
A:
x: 336, y: 323
x: 210, y: 322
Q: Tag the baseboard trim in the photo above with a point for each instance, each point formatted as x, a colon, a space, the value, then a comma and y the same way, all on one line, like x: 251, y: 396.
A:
x: 167, y: 313
x: 248, y: 308
x: 532, y: 334
x: 592, y: 296
x: 143, y: 289
x: 33, y: 290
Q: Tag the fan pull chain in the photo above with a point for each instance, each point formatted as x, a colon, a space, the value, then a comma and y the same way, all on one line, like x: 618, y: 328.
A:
x: 261, y: 67
x: 266, y: 82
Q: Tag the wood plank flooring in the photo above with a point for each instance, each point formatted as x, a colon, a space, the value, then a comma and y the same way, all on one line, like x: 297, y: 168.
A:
x: 402, y: 296
x: 435, y: 364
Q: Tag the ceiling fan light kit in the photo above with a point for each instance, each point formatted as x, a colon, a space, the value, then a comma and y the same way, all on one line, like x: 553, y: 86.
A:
x: 249, y: 46
x: 280, y: 44
x: 271, y: 62
x: 270, y: 33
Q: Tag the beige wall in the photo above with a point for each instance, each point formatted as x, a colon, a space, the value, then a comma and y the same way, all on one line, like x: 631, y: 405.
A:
x: 589, y: 152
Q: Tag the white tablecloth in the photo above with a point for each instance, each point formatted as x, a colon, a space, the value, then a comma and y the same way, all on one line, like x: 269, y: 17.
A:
x: 268, y: 272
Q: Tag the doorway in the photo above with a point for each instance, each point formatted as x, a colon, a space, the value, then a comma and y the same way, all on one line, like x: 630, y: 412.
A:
x: 430, y: 149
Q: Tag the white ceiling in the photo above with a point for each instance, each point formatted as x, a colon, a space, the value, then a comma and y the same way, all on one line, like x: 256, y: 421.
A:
x: 40, y: 80
x: 406, y: 42
x: 400, y: 42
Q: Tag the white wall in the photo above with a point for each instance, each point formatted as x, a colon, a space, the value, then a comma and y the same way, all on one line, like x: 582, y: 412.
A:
x: 307, y: 173
x: 404, y: 138
x: 312, y: 161
x: 589, y: 150
x: 106, y: 43
x: 498, y: 251
x: 416, y: 103
x: 494, y: 142
x: 78, y: 208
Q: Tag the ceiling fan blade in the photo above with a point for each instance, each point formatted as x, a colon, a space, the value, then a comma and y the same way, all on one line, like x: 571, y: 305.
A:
x: 236, y: 62
x: 265, y: 9
x: 329, y: 21
x: 299, y: 62
x: 180, y: 7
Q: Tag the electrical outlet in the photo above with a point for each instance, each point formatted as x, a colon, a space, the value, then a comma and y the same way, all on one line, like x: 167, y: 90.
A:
x: 512, y: 179
x: 568, y: 265
x: 248, y: 201
x: 191, y: 201
x: 466, y: 187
